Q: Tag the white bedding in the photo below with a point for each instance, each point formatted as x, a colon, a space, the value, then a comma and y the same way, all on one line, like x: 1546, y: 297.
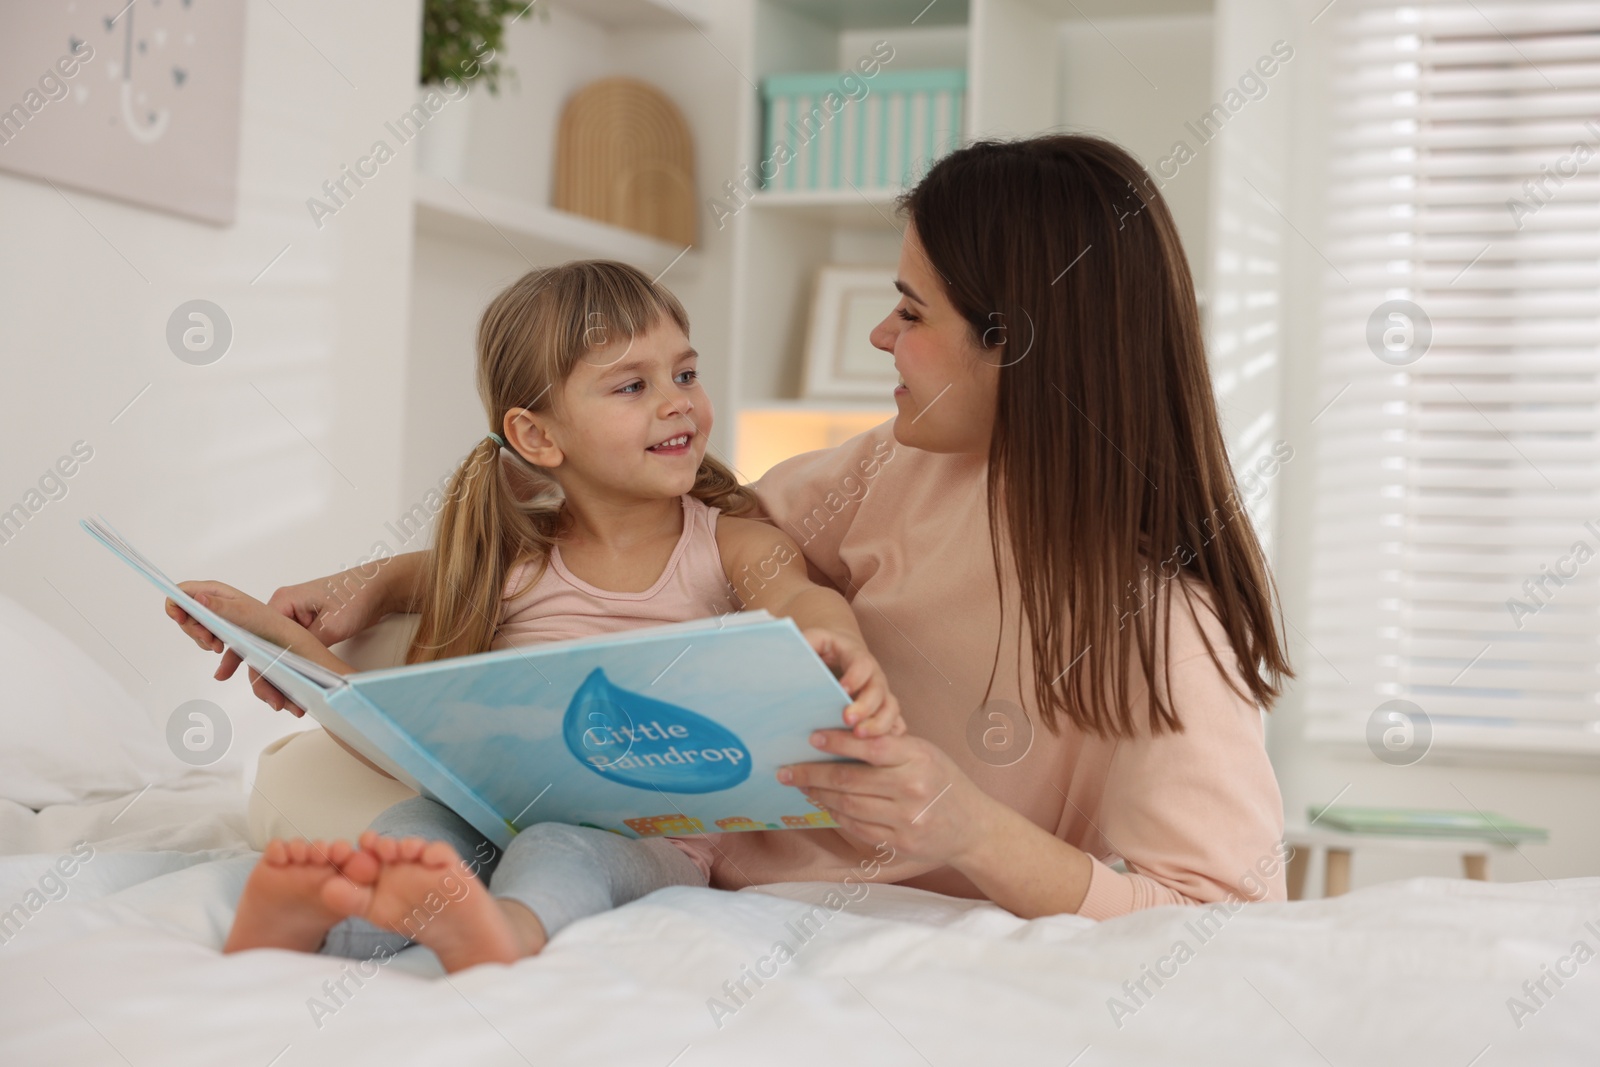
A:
x: 124, y: 969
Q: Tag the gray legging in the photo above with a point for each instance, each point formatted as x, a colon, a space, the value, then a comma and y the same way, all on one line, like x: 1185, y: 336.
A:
x: 561, y: 873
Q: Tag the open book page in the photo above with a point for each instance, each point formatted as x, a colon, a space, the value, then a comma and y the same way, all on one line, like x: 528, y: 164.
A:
x: 284, y: 669
x: 310, y: 685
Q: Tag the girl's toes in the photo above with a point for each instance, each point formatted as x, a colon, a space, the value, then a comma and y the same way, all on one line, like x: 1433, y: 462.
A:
x: 411, y: 849
x: 297, y: 850
x: 381, y: 847
x: 345, y: 897
x: 362, y: 867
x: 339, y: 853
x: 276, y: 852
x: 439, y: 854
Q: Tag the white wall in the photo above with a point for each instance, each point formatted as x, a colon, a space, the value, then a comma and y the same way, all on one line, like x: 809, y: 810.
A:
x: 1556, y: 792
x: 1137, y: 81
x: 279, y: 462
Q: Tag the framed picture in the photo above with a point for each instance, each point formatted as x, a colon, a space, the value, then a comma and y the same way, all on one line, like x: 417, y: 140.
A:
x: 840, y: 360
x: 140, y: 103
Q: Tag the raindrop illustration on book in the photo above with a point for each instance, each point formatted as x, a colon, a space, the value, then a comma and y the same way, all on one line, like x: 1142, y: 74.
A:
x: 646, y: 743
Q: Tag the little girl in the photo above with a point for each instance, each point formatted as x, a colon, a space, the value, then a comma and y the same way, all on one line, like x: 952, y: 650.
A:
x: 604, y: 517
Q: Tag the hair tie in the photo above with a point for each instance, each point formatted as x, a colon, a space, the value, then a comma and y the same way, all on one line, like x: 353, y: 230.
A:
x: 497, y: 439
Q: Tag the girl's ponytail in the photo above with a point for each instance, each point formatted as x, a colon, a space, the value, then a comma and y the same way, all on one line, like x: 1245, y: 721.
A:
x: 475, y: 540
x: 717, y: 486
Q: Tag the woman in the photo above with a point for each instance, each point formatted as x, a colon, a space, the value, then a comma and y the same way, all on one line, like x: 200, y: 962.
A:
x: 1092, y: 689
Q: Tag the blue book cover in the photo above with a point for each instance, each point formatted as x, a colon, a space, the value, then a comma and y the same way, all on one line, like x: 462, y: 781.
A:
x: 672, y: 730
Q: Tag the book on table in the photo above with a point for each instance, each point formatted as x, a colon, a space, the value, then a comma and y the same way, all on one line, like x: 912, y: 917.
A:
x: 1422, y: 822
x: 673, y: 730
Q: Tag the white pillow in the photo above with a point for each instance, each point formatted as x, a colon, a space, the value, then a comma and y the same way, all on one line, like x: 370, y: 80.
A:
x: 68, y: 731
x: 307, y: 786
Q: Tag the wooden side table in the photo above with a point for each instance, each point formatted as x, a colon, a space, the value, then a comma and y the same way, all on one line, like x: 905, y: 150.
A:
x: 1337, y: 845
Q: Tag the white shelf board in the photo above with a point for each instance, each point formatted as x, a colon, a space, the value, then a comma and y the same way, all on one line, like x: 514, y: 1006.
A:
x: 886, y: 14
x: 821, y: 406
x: 639, y: 14
x: 1094, y: 10
x: 542, y: 234
x: 863, y: 208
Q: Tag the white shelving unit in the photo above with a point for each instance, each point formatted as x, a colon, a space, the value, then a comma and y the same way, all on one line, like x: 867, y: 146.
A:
x: 782, y: 238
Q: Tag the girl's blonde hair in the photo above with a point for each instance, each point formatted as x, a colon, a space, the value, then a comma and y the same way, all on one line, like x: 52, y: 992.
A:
x: 499, y: 509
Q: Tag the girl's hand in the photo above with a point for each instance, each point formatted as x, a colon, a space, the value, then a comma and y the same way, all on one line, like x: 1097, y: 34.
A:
x: 339, y: 606
x: 251, y: 614
x: 263, y: 689
x: 909, y: 794
x: 874, y: 711
x: 246, y: 611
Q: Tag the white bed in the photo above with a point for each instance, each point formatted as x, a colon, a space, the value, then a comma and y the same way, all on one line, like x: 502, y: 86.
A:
x: 124, y: 967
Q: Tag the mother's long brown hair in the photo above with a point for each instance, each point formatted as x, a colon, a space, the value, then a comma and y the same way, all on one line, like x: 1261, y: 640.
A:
x: 1107, y: 463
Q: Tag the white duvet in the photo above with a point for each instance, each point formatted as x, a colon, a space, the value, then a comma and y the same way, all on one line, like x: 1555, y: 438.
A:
x: 117, y: 963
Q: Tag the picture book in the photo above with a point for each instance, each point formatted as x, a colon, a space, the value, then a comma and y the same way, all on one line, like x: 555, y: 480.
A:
x: 673, y: 730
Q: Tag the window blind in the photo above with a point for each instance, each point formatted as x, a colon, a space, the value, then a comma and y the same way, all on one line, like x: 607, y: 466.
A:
x: 1457, y: 536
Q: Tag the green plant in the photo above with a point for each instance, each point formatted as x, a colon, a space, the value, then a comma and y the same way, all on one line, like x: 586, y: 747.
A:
x: 463, y: 38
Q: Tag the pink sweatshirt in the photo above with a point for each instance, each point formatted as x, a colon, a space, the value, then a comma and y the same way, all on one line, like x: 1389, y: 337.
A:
x: 902, y: 533
x: 560, y: 605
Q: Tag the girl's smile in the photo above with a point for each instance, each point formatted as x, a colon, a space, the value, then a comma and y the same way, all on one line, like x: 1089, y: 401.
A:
x: 678, y: 445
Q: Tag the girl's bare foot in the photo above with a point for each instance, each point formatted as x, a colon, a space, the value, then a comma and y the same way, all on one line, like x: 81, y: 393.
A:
x: 282, y: 905
x: 424, y: 891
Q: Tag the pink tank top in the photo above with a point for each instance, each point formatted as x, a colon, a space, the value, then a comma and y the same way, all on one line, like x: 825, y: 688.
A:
x: 560, y: 606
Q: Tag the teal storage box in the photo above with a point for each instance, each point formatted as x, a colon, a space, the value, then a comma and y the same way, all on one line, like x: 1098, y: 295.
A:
x: 833, y: 130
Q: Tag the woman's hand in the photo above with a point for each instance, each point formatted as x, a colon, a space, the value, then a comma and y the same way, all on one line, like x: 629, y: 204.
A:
x: 873, y: 711
x: 909, y: 794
